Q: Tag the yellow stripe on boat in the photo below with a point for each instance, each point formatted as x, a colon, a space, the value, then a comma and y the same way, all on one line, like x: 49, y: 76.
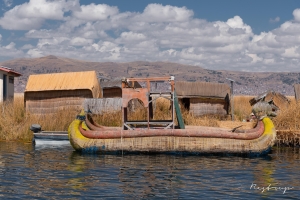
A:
x: 269, y: 126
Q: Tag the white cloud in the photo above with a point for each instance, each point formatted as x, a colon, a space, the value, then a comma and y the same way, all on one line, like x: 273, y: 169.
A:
x: 12, y: 22
x: 31, y: 15
x: 159, y: 13
x: 27, y: 46
x: 235, y: 22
x: 276, y: 19
x: 291, y: 53
x: 42, y: 33
x: 10, y: 46
x: 104, y: 46
x: 296, y: 14
x: 10, y: 51
x: 8, y: 3
x: 94, y: 12
x: 41, y: 9
x: 35, y: 53
x: 79, y: 41
x: 99, y: 32
x: 130, y: 37
x: 44, y: 44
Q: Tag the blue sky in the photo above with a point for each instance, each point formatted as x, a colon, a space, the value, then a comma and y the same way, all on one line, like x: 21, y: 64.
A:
x: 219, y: 35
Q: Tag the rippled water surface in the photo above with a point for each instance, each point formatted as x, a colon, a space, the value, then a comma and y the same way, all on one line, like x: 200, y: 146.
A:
x: 55, y: 171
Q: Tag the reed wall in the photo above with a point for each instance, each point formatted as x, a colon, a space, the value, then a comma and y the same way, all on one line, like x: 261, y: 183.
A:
x: 49, y: 102
x: 204, y: 106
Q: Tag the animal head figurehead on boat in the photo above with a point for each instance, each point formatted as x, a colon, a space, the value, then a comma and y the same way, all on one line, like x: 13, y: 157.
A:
x: 263, y: 109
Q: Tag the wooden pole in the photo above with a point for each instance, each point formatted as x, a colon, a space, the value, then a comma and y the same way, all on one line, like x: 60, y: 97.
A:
x: 232, y: 103
x: 231, y: 98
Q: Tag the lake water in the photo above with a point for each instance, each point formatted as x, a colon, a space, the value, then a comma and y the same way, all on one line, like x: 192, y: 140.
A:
x: 55, y: 171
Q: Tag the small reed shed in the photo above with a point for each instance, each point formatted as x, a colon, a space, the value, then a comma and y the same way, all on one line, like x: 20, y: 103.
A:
x: 47, y: 93
x: 297, y: 91
x: 204, y: 98
x: 276, y: 100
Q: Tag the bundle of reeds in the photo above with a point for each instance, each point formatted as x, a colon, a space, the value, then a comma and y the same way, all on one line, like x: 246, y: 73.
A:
x: 288, y: 118
x: 288, y: 138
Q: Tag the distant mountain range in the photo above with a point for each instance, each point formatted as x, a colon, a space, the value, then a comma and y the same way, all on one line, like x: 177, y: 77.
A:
x: 246, y: 83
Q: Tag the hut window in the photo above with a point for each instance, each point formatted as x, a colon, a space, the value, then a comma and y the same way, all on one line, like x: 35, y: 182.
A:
x: 11, y: 79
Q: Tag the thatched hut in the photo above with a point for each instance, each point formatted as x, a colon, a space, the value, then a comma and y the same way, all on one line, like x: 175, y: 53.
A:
x: 276, y: 100
x: 47, y: 93
x: 297, y: 91
x: 202, y: 98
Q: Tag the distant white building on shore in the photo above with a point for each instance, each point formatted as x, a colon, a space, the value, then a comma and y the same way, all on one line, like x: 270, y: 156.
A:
x: 7, y: 77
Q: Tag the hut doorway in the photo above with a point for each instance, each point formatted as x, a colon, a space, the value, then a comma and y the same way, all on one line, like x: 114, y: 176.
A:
x: 186, y: 103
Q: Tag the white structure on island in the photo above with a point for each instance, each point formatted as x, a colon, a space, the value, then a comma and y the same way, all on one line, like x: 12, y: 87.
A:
x: 7, y: 76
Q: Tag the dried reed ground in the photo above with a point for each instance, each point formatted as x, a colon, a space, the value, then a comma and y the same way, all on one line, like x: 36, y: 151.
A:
x: 15, y: 122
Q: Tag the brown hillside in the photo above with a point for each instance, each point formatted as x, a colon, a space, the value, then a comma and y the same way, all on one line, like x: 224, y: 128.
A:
x: 246, y: 83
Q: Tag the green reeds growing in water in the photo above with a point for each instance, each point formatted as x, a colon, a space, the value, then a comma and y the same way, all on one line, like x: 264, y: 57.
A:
x: 15, y: 122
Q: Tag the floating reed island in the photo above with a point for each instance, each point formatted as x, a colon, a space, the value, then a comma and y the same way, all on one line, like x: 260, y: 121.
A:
x: 15, y: 121
x: 287, y: 123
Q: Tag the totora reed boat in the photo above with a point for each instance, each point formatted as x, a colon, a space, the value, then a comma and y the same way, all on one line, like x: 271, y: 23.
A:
x: 196, y: 140
x: 162, y: 136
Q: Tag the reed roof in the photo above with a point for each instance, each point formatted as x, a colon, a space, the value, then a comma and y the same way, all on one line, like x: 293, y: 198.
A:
x: 64, y: 81
x: 202, y: 89
x: 277, y: 98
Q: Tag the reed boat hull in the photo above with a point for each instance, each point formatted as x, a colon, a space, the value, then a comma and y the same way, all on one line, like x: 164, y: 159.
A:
x: 174, y: 144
